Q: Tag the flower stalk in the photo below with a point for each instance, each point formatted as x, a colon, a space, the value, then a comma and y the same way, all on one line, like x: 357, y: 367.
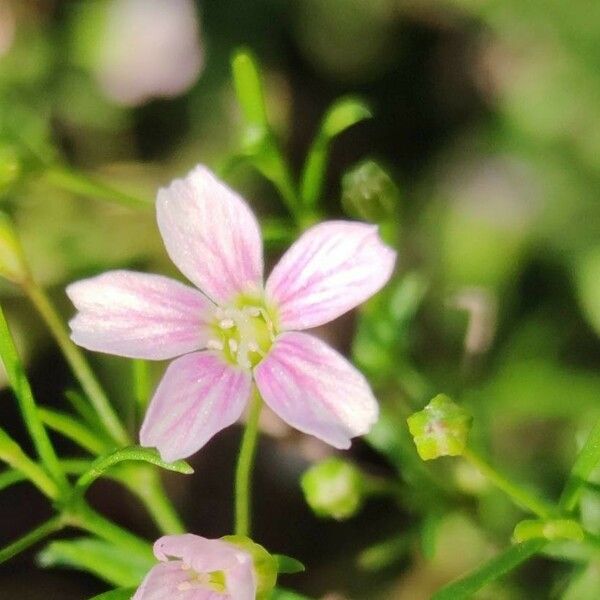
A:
x: 245, y: 464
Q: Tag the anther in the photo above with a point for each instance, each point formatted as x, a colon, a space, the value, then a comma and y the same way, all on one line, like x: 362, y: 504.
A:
x: 226, y: 323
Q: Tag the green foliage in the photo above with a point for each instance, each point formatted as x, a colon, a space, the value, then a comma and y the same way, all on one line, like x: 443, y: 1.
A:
x: 115, y: 565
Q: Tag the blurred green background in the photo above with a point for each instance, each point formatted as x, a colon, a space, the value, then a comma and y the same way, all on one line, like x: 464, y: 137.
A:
x: 484, y: 170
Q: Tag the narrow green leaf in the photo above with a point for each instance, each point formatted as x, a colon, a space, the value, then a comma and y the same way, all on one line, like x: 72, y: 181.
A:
x: 83, y: 407
x: 20, y: 385
x: 586, y: 461
x: 12, y: 454
x: 249, y: 88
x: 344, y: 113
x: 82, y: 184
x: 113, y: 564
x: 120, y: 594
x: 74, y: 430
x: 287, y: 564
x: 10, y: 477
x: 29, y: 539
x: 493, y: 569
x: 133, y: 453
x: 259, y: 146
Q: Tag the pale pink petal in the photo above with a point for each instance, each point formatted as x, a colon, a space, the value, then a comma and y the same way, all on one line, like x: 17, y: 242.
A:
x: 138, y: 315
x: 163, y: 582
x: 316, y: 390
x: 199, y: 395
x: 332, y: 268
x: 206, y: 556
x: 211, y: 234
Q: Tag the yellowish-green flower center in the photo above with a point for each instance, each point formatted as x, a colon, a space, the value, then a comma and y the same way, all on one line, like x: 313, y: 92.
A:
x: 243, y: 331
x: 214, y: 581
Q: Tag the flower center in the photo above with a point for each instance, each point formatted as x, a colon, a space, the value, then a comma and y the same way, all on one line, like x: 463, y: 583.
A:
x: 244, y: 332
x: 214, y: 581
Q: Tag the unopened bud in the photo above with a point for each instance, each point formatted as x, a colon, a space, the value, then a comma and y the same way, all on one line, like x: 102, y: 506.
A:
x: 333, y: 488
x: 440, y: 429
x: 265, y: 564
x: 369, y: 193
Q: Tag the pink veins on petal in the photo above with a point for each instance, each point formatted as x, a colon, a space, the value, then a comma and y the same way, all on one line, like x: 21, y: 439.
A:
x: 234, y: 330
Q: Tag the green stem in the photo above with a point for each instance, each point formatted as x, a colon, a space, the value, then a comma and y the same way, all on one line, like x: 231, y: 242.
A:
x: 39, y: 533
x: 491, y: 570
x: 77, y: 362
x: 84, y: 517
x: 147, y: 486
x: 586, y: 461
x: 245, y: 463
x: 22, y: 390
x: 67, y: 179
x: 11, y: 454
x: 518, y: 494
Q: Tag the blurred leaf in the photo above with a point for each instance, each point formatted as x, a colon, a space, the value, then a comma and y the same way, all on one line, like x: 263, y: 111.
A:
x: 429, y: 532
x: 384, y: 554
x: 584, y: 584
x: 343, y: 114
x: 113, y: 564
x: 587, y: 274
x: 258, y: 141
x: 120, y: 594
x: 287, y: 564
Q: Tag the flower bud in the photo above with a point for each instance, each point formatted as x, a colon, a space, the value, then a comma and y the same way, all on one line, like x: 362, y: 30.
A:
x: 12, y: 261
x: 333, y: 488
x: 440, y: 429
x: 265, y: 565
x: 369, y: 193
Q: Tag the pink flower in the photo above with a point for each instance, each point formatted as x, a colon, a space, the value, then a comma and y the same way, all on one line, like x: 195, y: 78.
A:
x: 195, y: 568
x: 149, y: 49
x: 246, y: 331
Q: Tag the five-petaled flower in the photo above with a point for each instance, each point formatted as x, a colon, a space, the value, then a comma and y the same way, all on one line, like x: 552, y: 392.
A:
x: 238, y: 331
x: 196, y: 568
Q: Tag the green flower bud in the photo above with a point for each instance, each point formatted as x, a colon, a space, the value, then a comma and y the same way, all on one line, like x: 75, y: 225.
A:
x: 440, y: 429
x: 551, y: 530
x: 12, y: 260
x: 369, y: 193
x: 265, y: 565
x: 333, y: 488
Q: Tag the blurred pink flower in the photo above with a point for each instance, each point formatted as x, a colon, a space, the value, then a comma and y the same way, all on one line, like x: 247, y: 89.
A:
x: 195, y: 568
x: 150, y: 48
x: 247, y: 331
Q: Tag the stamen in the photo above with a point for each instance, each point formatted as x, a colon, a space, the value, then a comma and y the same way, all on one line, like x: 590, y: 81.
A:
x: 214, y: 345
x: 233, y: 346
x: 226, y: 323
